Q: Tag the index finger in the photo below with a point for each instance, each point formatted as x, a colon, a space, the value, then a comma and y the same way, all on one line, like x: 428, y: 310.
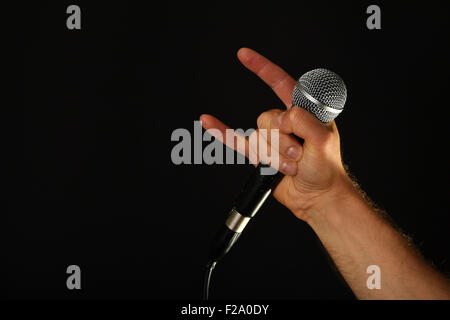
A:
x: 275, y: 77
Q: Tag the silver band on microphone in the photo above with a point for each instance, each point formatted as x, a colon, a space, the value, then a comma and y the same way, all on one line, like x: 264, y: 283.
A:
x: 317, y: 102
x: 236, y: 222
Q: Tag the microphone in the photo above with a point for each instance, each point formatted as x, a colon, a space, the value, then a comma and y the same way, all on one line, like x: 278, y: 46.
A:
x: 321, y: 92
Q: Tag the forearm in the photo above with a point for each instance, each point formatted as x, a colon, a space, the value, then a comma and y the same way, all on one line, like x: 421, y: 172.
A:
x: 357, y: 236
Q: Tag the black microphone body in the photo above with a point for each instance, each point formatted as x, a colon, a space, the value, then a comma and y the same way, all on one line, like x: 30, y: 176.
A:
x: 256, y: 190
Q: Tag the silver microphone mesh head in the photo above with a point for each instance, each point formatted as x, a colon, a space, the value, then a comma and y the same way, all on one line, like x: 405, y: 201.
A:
x: 322, y: 92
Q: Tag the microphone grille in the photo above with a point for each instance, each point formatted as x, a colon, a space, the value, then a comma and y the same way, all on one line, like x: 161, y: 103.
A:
x: 322, y: 92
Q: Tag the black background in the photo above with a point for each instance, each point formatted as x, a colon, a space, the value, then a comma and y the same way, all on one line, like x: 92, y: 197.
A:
x: 98, y: 188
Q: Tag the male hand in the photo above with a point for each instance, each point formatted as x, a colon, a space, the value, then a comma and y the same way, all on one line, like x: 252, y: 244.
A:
x: 314, y: 173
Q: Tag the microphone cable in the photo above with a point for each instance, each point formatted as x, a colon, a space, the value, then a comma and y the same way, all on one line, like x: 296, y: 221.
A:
x: 207, y: 282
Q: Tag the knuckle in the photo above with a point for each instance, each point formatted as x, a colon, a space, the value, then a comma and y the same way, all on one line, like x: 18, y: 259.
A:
x: 261, y: 119
x: 295, y: 115
x: 295, y: 112
x: 264, y: 118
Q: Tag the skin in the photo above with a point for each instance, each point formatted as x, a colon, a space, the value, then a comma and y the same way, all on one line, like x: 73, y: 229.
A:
x: 317, y: 189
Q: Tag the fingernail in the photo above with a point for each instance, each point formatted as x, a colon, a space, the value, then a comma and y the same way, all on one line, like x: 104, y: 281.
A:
x: 293, y: 153
x: 289, y: 168
x: 276, y: 122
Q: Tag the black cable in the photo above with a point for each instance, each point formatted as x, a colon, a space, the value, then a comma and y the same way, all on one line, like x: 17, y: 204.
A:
x: 209, y: 269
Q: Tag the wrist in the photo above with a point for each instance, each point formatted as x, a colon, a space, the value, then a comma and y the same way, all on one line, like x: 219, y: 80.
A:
x: 344, y: 196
